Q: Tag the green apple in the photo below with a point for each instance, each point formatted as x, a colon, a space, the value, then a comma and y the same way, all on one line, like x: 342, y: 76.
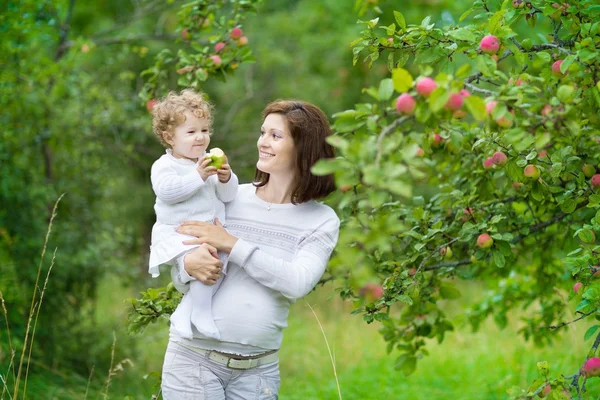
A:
x: 217, y: 157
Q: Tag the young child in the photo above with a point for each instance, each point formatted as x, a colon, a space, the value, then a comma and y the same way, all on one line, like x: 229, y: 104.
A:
x: 187, y: 188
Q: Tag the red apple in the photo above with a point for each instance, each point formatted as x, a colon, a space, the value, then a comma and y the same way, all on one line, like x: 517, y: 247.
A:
x: 219, y: 46
x: 236, y: 33
x: 595, y: 181
x: 490, y: 105
x: 499, y: 158
x: 489, y: 44
x: 591, y: 367
x: 420, y: 152
x: 546, y: 110
x: 216, y: 60
x: 185, y: 34
x: 577, y: 286
x: 504, y: 121
x: 455, y: 102
x: 425, y: 86
x: 588, y: 170
x: 446, y: 252
x: 485, y: 241
x: 406, y: 104
x: 437, y: 140
x: 556, y: 68
x: 150, y: 104
x: 488, y: 163
x: 371, y: 291
x: 531, y: 171
x: 242, y: 41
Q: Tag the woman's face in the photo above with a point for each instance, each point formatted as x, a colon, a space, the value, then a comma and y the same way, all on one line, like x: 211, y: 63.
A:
x: 276, y: 150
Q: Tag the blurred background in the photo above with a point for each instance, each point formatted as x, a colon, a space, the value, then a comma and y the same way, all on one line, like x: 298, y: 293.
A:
x: 72, y: 123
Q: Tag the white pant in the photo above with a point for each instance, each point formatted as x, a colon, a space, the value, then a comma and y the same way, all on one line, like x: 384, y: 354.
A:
x: 190, y: 375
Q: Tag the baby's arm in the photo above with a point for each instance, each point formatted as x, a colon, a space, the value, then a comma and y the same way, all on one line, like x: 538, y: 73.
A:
x: 171, y: 187
x: 226, y: 192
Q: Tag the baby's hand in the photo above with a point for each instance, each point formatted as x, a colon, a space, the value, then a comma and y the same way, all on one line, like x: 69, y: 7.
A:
x: 204, y: 169
x: 224, y: 173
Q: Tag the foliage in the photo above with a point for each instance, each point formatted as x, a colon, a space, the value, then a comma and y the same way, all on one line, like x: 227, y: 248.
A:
x: 155, y: 304
x: 70, y: 125
x: 413, y: 184
x: 499, y: 148
x: 216, y: 45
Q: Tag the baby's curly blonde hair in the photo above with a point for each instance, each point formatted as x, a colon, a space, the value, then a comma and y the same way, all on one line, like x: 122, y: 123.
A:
x: 168, y: 113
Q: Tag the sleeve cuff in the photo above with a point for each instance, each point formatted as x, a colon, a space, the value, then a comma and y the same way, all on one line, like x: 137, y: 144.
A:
x: 240, y: 252
x: 183, y: 275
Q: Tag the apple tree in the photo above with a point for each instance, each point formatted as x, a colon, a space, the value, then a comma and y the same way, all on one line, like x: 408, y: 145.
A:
x: 477, y: 158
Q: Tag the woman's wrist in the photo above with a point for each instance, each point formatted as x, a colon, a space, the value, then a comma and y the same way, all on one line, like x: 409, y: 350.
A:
x: 231, y: 244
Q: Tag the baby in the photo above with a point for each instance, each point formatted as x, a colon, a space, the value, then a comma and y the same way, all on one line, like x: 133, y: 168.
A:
x: 188, y: 187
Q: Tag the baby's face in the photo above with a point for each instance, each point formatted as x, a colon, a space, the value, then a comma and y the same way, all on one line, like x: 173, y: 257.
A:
x: 191, y: 138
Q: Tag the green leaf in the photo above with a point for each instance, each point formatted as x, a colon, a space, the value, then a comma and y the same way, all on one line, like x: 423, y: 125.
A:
x: 338, y: 142
x: 590, y: 332
x: 465, y: 15
x: 463, y: 71
x: 407, y: 363
x: 476, y: 107
x: 327, y: 166
x: 583, y: 305
x: 462, y: 34
x: 499, y: 259
x: 402, y: 79
x: 386, y: 89
x: 438, y: 99
x: 564, y: 66
x: 587, y: 236
x: 568, y: 206
x: 400, y: 20
x: 485, y: 65
x: 448, y: 291
x: 496, y: 21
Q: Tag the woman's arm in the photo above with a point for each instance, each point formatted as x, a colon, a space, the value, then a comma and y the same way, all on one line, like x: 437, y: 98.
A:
x: 171, y: 187
x: 296, y: 278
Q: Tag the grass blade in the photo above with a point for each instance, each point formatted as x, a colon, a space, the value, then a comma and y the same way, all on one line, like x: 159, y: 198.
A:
x: 328, y: 349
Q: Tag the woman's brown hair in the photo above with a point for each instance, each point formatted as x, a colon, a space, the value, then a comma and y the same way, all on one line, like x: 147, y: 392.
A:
x: 309, y: 128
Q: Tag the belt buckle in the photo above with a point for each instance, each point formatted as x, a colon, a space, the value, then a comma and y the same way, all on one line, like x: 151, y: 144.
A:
x: 240, y: 364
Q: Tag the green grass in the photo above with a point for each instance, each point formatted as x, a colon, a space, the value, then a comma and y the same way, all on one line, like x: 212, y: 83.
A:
x: 467, y: 366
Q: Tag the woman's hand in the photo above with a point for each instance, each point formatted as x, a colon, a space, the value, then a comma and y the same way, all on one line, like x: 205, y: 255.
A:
x: 203, y: 264
x: 214, y: 235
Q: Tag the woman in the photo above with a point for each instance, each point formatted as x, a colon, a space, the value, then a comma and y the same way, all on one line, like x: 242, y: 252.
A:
x: 279, y: 241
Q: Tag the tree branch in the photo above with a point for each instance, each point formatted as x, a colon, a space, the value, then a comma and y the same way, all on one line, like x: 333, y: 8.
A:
x: 384, y: 133
x: 124, y: 40
x: 534, y: 228
x: 570, y: 322
x: 64, y: 31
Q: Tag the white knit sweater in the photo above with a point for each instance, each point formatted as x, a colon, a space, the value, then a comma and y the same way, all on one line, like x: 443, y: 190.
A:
x: 182, y: 195
x: 279, y: 257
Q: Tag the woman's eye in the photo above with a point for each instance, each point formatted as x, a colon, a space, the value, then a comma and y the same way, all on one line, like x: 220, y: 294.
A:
x: 261, y: 133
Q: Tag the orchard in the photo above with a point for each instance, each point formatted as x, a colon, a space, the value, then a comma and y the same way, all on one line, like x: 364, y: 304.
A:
x: 468, y: 153
x: 476, y: 158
